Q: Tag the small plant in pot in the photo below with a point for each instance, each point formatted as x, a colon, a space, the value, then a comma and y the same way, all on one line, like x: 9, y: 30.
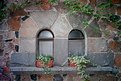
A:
x: 44, y: 61
x: 71, y: 61
x: 75, y: 59
x: 80, y: 62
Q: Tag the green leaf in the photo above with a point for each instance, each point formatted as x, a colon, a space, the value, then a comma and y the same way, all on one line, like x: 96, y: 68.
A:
x: 119, y: 32
x: 105, y: 5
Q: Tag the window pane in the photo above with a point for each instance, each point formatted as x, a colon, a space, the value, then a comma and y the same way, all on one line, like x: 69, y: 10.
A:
x: 76, y: 47
x: 46, y: 47
x: 45, y: 34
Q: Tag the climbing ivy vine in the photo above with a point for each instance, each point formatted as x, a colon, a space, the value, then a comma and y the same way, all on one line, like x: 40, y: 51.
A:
x: 99, y: 13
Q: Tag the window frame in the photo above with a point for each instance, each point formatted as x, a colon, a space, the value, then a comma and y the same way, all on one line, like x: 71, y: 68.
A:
x: 44, y: 39
x: 75, y: 38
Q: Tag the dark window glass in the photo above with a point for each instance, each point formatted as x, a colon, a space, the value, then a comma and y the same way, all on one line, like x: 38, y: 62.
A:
x: 76, y: 34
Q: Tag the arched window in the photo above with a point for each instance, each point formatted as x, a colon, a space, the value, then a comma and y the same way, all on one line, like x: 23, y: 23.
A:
x: 76, y: 42
x: 45, y: 42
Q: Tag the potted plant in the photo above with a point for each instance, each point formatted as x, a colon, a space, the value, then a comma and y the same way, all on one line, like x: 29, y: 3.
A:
x: 74, y: 60
x: 80, y: 62
x: 44, y: 61
x: 71, y: 61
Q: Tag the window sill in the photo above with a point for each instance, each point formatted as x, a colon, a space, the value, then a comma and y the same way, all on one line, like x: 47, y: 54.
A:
x: 59, y: 70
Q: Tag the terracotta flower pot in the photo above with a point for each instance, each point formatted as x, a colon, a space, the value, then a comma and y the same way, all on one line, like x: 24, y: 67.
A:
x: 50, y: 63
x: 71, y: 63
x: 41, y: 64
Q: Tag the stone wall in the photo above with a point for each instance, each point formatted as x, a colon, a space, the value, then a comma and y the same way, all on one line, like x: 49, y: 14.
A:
x: 72, y: 77
x: 7, y: 47
x: 61, y: 24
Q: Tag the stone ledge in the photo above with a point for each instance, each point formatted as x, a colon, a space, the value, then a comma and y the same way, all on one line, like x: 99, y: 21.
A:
x: 58, y: 70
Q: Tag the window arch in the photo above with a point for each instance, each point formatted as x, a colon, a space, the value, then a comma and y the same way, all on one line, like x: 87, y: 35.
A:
x: 45, y: 40
x: 76, y: 42
x: 76, y: 34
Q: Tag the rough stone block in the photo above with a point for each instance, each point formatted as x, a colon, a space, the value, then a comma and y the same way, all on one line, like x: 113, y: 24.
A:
x: 93, y: 2
x: 74, y: 20
x: 28, y: 29
x: 117, y: 60
x: 101, y: 59
x: 10, y: 35
x: 93, y: 30
x: 72, y: 77
x: 96, y: 44
x: 15, y: 41
x: 116, y: 1
x: 25, y: 78
x: 60, y: 50
x: 119, y: 10
x: 44, y: 18
x: 3, y: 26
x: 23, y: 59
x: 27, y: 45
x: 104, y: 77
x: 61, y: 27
x: 45, y: 77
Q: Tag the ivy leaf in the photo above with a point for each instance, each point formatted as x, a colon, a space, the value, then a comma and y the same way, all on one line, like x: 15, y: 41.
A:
x: 85, y: 23
x: 114, y: 18
x: 87, y: 9
x: 118, y: 24
x: 0, y: 5
x: 119, y: 32
x: 104, y: 5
